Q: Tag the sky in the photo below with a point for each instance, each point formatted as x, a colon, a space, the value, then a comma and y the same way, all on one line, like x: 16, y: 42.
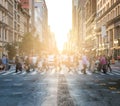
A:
x: 60, y: 18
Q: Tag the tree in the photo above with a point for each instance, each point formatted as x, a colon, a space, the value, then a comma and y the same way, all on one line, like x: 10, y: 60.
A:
x: 11, y: 50
x: 26, y: 45
x: 37, y: 45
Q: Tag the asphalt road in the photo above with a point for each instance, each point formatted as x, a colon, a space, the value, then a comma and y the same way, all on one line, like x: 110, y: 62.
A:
x: 51, y: 88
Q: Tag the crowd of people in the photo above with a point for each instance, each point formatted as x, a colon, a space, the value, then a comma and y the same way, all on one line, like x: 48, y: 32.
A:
x: 73, y: 62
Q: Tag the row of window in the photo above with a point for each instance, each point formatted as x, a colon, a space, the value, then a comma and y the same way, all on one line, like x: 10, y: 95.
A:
x: 109, y: 38
x: 3, y: 34
x: 7, y: 36
x: 111, y: 15
x: 3, y: 3
x: 102, y: 8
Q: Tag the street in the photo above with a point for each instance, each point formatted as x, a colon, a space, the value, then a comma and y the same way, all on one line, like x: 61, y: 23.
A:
x: 51, y: 88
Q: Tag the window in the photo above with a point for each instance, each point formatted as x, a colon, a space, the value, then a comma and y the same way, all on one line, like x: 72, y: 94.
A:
x: 108, y: 16
x: 118, y: 10
x: 108, y: 6
x: 113, y: 14
x: 103, y: 9
x: 103, y: 1
x: 5, y: 35
x: 0, y: 32
x: 112, y: 2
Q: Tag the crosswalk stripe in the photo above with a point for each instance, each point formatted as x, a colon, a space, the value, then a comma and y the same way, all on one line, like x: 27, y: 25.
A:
x: 23, y: 73
x: 71, y: 73
x: 16, y: 73
x: 8, y: 72
x: 53, y: 71
x: 110, y: 73
x: 102, y: 73
x: 116, y: 73
x: 43, y: 72
x: 2, y: 72
x: 33, y: 73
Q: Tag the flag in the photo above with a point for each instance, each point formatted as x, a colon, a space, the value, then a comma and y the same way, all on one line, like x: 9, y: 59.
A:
x: 25, y: 4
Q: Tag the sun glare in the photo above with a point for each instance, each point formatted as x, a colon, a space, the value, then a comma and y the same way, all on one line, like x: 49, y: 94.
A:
x: 60, y: 42
x: 60, y: 19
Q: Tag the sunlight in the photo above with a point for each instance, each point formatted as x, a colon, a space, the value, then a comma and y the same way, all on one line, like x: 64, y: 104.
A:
x: 60, y: 19
x: 60, y: 41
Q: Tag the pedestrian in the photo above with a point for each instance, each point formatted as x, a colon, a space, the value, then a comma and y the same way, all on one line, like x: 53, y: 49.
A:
x: 99, y: 67
x: 18, y: 64
x: 27, y: 64
x: 84, y: 63
x: 93, y: 65
x: 7, y: 63
x: 108, y: 63
x: 103, y: 62
x: 1, y: 65
x: 40, y: 64
x: 4, y: 62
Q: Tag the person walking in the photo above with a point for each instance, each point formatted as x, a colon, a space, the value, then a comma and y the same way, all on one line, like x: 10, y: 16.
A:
x: 27, y: 64
x: 4, y: 62
x: 108, y: 64
x: 85, y: 63
x: 18, y: 64
x: 103, y: 62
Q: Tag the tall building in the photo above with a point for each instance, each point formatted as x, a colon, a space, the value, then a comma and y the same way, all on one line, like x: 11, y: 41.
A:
x: 108, y: 27
x: 81, y: 24
x: 74, y: 25
x: 6, y: 23
x: 14, y: 22
x: 32, y: 15
x: 90, y: 22
x: 41, y: 21
x: 78, y: 24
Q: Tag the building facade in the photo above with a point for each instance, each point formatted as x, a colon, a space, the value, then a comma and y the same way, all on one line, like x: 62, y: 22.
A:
x: 108, y: 15
x: 81, y: 24
x: 32, y: 15
x: 74, y: 36
x: 90, y: 22
x: 14, y: 22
